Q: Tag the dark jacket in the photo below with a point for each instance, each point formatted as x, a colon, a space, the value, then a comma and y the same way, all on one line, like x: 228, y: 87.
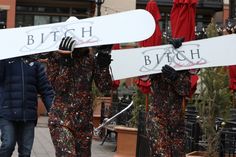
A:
x: 21, y: 80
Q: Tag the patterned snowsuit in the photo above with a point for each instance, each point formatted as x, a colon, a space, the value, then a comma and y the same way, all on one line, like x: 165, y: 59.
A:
x: 70, y: 118
x: 165, y: 119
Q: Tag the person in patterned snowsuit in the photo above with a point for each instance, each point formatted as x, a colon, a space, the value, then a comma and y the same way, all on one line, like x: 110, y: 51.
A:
x: 165, y: 119
x: 71, y: 73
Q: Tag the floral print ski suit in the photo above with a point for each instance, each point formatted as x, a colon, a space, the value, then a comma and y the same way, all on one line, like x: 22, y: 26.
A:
x: 165, y: 119
x: 70, y: 118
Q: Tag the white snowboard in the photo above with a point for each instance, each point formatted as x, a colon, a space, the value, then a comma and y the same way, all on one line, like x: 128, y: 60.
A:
x: 124, y: 27
x: 212, y: 52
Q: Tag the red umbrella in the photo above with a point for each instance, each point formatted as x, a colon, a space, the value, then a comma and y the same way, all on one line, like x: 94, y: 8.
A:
x: 116, y: 47
x: 194, y: 79
x: 232, y: 77
x: 232, y: 81
x: 144, y: 85
x: 231, y: 28
x: 183, y: 19
x: 183, y: 25
x: 155, y: 39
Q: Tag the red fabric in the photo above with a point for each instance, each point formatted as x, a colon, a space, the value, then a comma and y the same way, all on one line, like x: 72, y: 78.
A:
x: 115, y: 84
x: 232, y: 77
x: 155, y: 39
x: 116, y: 47
x: 194, y: 79
x: 144, y: 86
x: 182, y: 18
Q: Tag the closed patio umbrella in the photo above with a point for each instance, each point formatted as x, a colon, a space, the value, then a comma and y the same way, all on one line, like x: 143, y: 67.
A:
x: 232, y: 81
x: 231, y: 28
x: 154, y: 40
x: 183, y: 19
x: 183, y: 25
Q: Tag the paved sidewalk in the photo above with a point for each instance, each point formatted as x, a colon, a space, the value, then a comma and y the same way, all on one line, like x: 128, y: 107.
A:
x: 43, y: 146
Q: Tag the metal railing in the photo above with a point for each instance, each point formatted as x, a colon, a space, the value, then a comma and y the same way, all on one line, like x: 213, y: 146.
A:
x: 142, y: 149
x: 202, y: 3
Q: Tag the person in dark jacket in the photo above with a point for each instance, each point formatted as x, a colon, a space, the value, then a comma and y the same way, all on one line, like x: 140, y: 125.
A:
x: 21, y: 80
x: 72, y: 72
x: 165, y: 119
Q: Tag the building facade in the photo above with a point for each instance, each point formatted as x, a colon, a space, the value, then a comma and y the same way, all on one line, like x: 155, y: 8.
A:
x: 232, y: 13
x: 115, y: 6
x: 17, y: 13
x: 36, y: 12
x: 7, y: 13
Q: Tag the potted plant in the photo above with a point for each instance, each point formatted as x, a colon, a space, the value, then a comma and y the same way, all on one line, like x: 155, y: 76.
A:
x: 213, y: 101
x: 127, y: 148
x: 139, y: 106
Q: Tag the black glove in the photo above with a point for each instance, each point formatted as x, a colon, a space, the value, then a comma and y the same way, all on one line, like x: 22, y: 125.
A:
x: 81, y: 52
x: 104, y: 49
x: 67, y: 44
x: 169, y: 72
x: 103, y: 60
x: 176, y: 42
x: 104, y: 57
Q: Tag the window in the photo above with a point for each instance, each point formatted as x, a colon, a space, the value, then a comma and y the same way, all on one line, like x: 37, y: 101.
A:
x: 32, y: 15
x: 232, y: 8
x: 24, y: 20
x: 3, y: 19
x: 39, y: 20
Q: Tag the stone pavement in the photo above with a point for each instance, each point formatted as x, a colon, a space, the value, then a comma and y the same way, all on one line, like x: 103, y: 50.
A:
x: 43, y: 146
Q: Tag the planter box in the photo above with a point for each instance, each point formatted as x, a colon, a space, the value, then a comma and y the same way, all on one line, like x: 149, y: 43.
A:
x: 97, y: 109
x: 195, y: 154
x: 199, y: 154
x: 126, y: 141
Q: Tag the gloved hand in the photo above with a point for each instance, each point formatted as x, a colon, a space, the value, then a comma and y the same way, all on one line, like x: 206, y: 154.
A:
x: 176, y: 42
x: 66, y: 48
x: 103, y: 60
x: 104, y: 57
x: 67, y: 45
x: 169, y: 72
x: 81, y: 52
x: 104, y: 49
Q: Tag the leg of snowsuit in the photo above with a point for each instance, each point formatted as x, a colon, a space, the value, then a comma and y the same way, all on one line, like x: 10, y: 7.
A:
x: 84, y: 135
x: 165, y: 134
x: 84, y: 145
x: 156, y: 134
x: 63, y: 140
x: 177, y: 134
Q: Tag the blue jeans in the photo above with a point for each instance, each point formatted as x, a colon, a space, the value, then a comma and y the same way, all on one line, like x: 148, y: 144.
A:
x: 13, y: 132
